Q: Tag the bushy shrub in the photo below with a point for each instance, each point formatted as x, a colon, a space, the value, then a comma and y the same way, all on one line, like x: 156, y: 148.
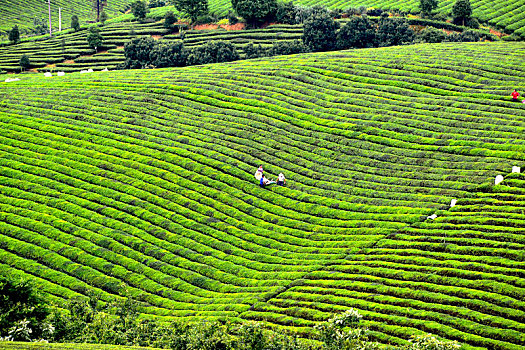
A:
x: 24, y: 62
x: 466, y: 36
x: 14, y: 35
x: 432, y: 35
x: 319, y: 32
x: 94, y: 38
x: 373, y: 12
x: 359, y: 32
x: 74, y: 23
x: 394, y: 31
x: 168, y: 54
x: 169, y: 20
x: 213, y: 52
x: 255, y: 12
x: 472, y: 23
x: 157, y: 3
x: 139, y: 10
x: 440, y: 16
x: 254, y: 51
x: 461, y: 12
x: 427, y: 7
x: 286, y: 13
x: 22, y: 311
x: 287, y: 48
x: 193, y: 8
x: 430, y: 342
x: 103, y: 17
x: 137, y: 52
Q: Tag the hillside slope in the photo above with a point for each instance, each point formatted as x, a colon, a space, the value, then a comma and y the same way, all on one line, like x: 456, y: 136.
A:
x: 22, y: 13
x: 146, y: 178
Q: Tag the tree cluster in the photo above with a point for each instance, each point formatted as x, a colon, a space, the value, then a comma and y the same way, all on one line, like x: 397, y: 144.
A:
x: 321, y: 32
x: 145, y: 52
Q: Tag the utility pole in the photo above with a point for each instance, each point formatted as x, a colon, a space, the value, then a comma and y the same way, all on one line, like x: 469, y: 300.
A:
x: 60, y: 19
x: 49, y: 9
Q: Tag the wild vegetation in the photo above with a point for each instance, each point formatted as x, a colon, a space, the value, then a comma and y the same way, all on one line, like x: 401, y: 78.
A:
x: 141, y: 185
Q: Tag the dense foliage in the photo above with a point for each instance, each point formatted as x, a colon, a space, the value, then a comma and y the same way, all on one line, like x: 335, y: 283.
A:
x: 394, y: 31
x: 359, y: 32
x: 75, y: 25
x: 169, y: 20
x: 193, y: 8
x: 14, y: 35
x: 320, y: 30
x: 255, y: 11
x: 24, y: 62
x: 427, y: 7
x: 94, y: 38
x: 139, y: 9
x: 22, y: 311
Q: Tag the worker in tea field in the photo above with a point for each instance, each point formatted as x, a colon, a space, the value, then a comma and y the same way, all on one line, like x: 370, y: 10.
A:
x: 281, y: 180
x: 265, y: 182
x: 515, y: 95
x: 259, y: 173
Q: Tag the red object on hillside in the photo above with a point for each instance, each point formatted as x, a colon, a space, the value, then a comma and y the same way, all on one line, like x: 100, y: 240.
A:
x: 515, y: 95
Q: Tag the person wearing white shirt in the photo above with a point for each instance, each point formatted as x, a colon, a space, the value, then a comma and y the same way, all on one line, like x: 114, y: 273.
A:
x: 281, y: 180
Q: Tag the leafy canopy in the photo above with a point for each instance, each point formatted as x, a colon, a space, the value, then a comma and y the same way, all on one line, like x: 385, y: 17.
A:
x: 255, y: 11
x: 139, y: 10
x: 319, y: 31
x: 14, y: 35
x: 358, y: 32
x: 193, y: 8
x: 94, y: 38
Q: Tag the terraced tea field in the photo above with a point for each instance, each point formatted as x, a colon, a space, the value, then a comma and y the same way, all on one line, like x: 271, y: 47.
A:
x: 507, y: 15
x: 145, y: 179
x: 71, y: 53
x: 23, y: 12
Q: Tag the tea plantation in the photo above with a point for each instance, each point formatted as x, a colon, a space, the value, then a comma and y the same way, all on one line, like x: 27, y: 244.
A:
x: 142, y: 182
x: 507, y: 15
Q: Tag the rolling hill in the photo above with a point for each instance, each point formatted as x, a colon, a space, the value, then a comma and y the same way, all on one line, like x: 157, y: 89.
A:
x: 142, y: 182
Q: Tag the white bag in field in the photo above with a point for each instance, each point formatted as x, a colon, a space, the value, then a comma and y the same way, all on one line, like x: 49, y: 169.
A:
x: 498, y: 180
x: 516, y: 169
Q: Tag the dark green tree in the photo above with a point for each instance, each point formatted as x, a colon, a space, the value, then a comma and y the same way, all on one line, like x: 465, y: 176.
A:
x: 137, y: 52
x: 103, y: 17
x: 139, y: 10
x: 394, y: 31
x: 255, y: 12
x: 20, y: 301
x: 14, y: 35
x: 319, y: 31
x: 74, y: 23
x: 192, y: 8
x: 94, y: 38
x: 169, y: 54
x: 358, y: 32
x: 169, y: 20
x: 286, y: 13
x: 213, y: 52
x: 24, y: 62
x: 461, y: 12
x: 427, y: 6
x: 432, y: 35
